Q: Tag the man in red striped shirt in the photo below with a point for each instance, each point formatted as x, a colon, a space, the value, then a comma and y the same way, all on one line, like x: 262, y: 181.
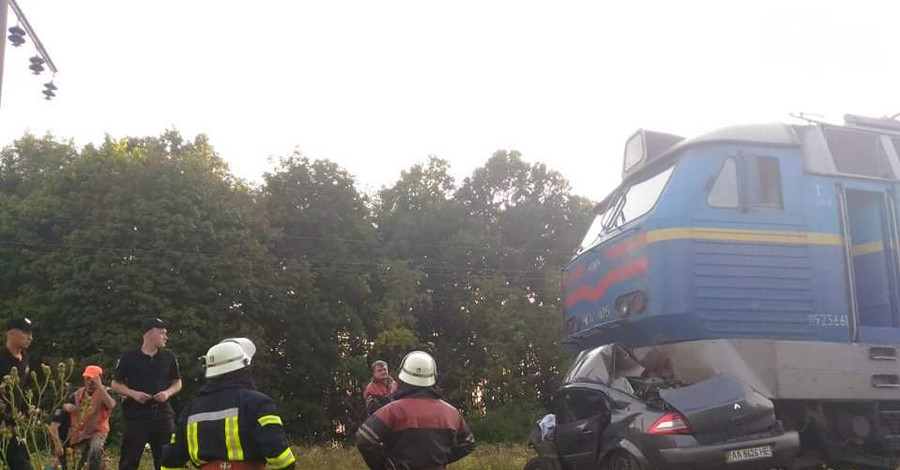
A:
x: 380, y: 391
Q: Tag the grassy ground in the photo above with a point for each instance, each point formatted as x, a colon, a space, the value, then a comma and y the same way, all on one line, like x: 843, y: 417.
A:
x: 485, y: 457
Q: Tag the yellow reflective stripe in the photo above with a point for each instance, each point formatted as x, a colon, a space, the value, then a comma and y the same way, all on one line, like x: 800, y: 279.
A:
x: 736, y: 235
x: 269, y: 419
x: 193, y: 445
x: 233, y: 439
x: 286, y: 458
x: 229, y: 446
x: 172, y: 439
x: 868, y: 248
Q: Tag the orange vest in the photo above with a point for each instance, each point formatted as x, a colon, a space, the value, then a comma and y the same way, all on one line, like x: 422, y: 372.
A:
x: 91, y: 417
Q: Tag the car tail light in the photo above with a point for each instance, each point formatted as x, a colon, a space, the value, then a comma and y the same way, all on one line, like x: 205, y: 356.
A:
x: 670, y: 423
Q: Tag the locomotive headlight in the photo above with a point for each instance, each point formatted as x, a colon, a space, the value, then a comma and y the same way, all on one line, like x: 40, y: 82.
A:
x: 632, y: 302
x: 638, y: 301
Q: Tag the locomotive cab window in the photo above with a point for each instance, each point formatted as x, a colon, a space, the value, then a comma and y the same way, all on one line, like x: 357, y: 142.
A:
x: 724, y: 191
x: 746, y: 182
x: 763, y: 182
x: 858, y: 153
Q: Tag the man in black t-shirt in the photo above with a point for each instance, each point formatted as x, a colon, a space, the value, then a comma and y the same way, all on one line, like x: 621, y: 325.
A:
x: 19, y: 334
x: 147, y: 377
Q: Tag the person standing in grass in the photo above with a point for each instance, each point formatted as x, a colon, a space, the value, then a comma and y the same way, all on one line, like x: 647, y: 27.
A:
x: 418, y: 430
x: 148, y: 378
x: 19, y: 334
x: 381, y: 389
x: 229, y: 425
x: 89, y: 409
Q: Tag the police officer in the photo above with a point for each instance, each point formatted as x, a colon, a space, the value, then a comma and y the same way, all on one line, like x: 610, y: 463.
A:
x: 228, y: 425
x: 418, y: 430
x: 19, y: 334
x: 147, y: 377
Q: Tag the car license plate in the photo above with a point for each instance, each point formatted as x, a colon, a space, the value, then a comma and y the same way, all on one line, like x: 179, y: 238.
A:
x: 752, y: 453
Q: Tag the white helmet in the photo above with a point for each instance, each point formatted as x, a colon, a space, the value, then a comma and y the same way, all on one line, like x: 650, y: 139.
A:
x: 245, y: 343
x: 418, y: 369
x: 228, y: 356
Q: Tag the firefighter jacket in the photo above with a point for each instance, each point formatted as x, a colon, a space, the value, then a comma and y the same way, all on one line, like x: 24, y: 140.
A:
x: 228, y: 420
x: 416, y: 431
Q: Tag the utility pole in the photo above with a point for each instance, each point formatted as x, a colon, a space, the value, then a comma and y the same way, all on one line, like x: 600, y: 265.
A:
x: 4, y: 11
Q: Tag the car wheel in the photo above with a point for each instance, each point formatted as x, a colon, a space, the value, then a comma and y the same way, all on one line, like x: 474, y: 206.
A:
x: 623, y: 461
x: 533, y: 464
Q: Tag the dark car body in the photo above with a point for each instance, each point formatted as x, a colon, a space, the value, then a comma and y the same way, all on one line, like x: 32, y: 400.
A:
x: 605, y: 408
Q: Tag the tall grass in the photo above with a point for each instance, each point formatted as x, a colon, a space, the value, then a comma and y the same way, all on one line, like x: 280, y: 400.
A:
x: 485, y: 457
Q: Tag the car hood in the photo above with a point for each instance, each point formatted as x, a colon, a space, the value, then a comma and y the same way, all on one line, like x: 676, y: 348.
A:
x: 722, y: 408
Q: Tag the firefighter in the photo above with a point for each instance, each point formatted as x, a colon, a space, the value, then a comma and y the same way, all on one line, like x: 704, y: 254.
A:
x: 228, y: 425
x: 418, y: 430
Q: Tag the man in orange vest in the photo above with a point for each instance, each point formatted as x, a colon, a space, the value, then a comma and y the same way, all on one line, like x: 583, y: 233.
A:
x: 89, y: 407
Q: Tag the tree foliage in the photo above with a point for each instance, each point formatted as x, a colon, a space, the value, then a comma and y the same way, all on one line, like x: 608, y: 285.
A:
x: 322, y: 277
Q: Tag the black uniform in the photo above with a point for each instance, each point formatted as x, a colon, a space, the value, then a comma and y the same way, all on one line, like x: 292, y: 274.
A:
x: 150, y: 422
x: 16, y: 454
x: 229, y: 421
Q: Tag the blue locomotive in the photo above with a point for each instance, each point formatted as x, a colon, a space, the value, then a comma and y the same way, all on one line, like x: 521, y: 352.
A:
x: 767, y: 252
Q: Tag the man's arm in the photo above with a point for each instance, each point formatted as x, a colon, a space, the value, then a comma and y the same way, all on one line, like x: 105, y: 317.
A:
x: 54, y: 436
x: 370, y: 439
x: 122, y: 389
x: 174, y: 388
x: 168, y: 393
x: 69, y: 404
x: 174, y: 384
x: 175, y: 453
x: 464, y: 442
x: 372, y: 404
x: 108, y: 401
x: 120, y: 383
x: 271, y: 438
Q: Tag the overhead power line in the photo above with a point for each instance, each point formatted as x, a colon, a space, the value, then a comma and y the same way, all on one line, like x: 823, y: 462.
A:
x: 496, y: 243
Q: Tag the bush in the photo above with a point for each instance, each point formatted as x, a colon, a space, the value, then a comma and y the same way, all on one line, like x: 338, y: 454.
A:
x: 511, y: 422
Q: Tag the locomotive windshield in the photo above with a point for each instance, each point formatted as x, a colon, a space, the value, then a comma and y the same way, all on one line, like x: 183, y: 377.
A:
x: 627, y: 203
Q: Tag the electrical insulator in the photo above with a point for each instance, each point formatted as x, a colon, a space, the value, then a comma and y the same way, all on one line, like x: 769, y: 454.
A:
x: 49, y: 89
x: 37, y: 65
x: 16, y: 36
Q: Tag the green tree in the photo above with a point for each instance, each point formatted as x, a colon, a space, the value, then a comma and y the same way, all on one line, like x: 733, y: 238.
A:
x: 322, y: 278
x: 323, y: 226
x: 134, y: 228
x: 486, y: 258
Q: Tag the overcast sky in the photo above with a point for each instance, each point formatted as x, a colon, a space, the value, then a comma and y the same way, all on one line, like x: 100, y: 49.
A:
x: 377, y: 86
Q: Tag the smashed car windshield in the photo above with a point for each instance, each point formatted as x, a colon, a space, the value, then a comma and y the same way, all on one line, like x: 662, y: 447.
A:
x: 592, y: 366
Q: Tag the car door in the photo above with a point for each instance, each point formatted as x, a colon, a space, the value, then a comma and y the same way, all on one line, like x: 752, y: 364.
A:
x: 581, y: 416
